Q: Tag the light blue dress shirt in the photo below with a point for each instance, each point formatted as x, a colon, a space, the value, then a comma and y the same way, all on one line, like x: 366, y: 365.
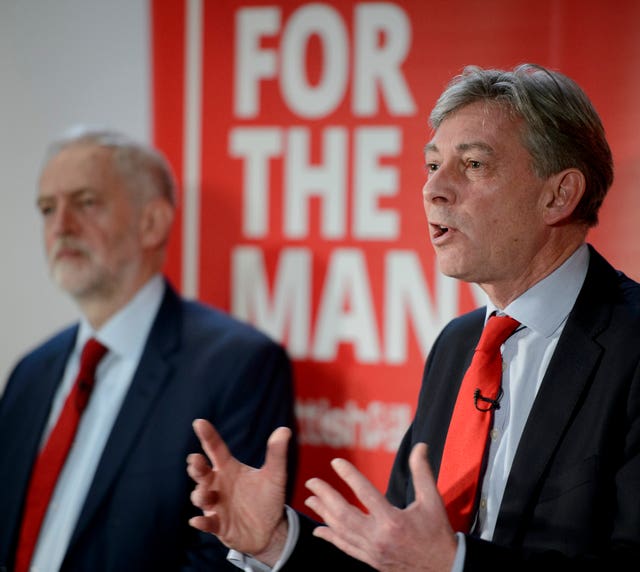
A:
x: 125, y: 335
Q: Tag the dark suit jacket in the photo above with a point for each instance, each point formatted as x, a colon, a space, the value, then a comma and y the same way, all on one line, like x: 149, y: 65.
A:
x: 572, y: 499
x: 197, y: 362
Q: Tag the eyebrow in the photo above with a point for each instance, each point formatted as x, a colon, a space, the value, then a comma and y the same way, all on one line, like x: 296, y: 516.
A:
x: 73, y: 194
x: 462, y: 147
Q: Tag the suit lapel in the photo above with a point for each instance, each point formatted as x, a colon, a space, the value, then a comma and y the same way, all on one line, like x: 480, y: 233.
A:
x: 36, y: 382
x: 44, y: 382
x: 153, y: 373
x: 565, y: 382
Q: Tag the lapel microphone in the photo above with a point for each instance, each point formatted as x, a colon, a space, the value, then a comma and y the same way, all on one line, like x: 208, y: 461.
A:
x: 492, y: 403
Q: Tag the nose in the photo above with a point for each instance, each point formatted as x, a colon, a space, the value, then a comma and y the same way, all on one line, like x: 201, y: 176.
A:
x: 440, y: 186
x: 62, y: 221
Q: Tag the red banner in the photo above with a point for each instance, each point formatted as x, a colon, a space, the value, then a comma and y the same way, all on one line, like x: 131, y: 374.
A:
x: 296, y: 130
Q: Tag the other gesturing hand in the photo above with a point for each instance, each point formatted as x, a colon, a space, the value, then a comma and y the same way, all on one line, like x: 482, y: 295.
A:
x: 243, y: 506
x: 417, y: 538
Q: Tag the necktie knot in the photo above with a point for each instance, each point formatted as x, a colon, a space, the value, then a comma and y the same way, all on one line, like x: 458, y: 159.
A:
x: 92, y: 353
x: 495, y: 333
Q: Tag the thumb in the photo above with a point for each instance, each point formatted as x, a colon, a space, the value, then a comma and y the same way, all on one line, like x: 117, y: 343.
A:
x: 423, y: 482
x: 276, y: 457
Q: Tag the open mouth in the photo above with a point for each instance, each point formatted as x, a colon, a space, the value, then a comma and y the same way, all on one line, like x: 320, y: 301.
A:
x: 439, y: 230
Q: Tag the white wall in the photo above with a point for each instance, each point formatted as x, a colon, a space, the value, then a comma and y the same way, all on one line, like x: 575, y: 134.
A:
x: 61, y: 63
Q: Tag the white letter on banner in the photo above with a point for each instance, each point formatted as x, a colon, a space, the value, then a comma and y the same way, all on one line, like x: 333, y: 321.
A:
x: 253, y: 63
x: 371, y: 180
x: 346, y: 312
x: 379, y: 62
x: 256, y: 146
x: 407, y: 298
x: 327, y: 181
x: 304, y: 99
x: 284, y: 317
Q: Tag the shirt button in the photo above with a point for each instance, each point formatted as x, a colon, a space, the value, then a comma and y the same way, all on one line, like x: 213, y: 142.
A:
x: 483, y: 503
x: 495, y: 434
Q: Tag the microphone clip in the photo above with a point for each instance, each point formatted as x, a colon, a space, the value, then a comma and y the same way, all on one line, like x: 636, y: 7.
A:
x: 493, y: 404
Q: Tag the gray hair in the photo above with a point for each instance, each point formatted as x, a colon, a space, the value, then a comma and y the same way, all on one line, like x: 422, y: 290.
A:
x: 143, y: 169
x: 562, y: 128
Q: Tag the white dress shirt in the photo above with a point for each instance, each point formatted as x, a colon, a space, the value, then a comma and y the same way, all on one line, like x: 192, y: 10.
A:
x: 125, y: 335
x: 542, y: 312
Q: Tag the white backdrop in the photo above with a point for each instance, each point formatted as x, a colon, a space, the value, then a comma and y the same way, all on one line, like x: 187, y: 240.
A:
x: 61, y: 63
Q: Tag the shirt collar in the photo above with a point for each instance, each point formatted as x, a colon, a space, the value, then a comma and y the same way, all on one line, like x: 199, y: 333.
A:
x: 125, y: 333
x: 546, y: 305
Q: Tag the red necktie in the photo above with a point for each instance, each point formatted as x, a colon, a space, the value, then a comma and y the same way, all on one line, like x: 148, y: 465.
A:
x: 466, y: 441
x: 52, y: 457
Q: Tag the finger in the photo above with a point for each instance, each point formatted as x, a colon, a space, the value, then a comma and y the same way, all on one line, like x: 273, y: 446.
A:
x: 324, y: 492
x: 204, y: 499
x: 210, y: 524
x: 348, y: 527
x: 423, y: 481
x: 198, y: 467
x: 333, y: 508
x: 326, y: 501
x: 364, y: 490
x: 213, y: 445
x: 276, y: 457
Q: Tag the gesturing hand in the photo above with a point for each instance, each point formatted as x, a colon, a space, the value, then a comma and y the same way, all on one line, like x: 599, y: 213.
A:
x: 242, y: 506
x: 417, y: 538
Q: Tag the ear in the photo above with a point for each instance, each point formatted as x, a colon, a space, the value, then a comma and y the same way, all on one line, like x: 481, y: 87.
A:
x: 564, y: 193
x: 155, y: 222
